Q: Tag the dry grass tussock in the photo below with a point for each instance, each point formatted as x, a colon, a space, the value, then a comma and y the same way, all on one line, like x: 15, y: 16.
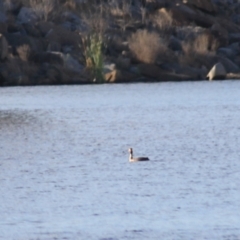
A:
x: 96, y: 22
x: 200, y: 44
x: 94, y: 15
x: 120, y: 8
x: 45, y: 9
x: 146, y: 46
x: 97, y: 15
x: 198, y: 51
x: 121, y: 13
x: 24, y: 52
x: 163, y: 23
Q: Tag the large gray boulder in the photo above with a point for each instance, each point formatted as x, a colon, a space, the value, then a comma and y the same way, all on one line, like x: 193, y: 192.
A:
x: 217, y: 72
x: 229, y: 65
x: 204, y: 5
x: 226, y: 52
x: 175, y: 44
x: 11, y: 6
x: 58, y: 58
x: 3, y: 16
x: 234, y: 37
x: 71, y: 63
x: 27, y: 15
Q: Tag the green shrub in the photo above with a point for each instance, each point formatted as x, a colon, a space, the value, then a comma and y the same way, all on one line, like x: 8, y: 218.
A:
x: 94, y: 56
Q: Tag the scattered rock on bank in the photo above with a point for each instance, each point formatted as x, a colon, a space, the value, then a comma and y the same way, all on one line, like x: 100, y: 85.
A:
x: 217, y: 72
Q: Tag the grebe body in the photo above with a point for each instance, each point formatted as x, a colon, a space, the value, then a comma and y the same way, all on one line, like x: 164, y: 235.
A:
x: 138, y: 159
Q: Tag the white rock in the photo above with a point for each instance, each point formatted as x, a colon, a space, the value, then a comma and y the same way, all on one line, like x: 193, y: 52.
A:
x: 217, y: 72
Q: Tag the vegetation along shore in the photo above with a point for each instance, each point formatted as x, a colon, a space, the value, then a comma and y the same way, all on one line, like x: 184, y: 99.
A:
x: 118, y: 41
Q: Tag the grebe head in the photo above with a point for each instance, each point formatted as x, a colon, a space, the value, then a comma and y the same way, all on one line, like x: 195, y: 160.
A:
x: 130, y: 150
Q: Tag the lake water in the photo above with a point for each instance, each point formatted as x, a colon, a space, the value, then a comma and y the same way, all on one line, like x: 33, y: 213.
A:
x: 64, y: 170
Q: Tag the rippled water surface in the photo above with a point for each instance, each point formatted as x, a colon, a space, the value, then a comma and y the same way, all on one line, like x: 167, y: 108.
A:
x: 64, y: 170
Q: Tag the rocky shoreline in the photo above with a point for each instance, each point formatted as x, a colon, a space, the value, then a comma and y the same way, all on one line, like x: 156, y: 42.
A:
x: 118, y: 41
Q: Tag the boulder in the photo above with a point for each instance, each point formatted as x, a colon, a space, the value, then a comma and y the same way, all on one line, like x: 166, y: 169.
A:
x: 204, y: 5
x: 3, y: 17
x: 202, y: 19
x: 69, y: 17
x: 220, y: 33
x: 157, y: 74
x: 13, y: 27
x: 153, y: 5
x: 58, y: 58
x: 53, y: 75
x: 3, y: 28
x: 150, y: 70
x: 70, y: 77
x: 17, y: 39
x: 217, y: 72
x: 44, y: 27
x: 121, y: 62
x: 237, y: 60
x: 109, y: 67
x: 115, y: 44
x: 189, y: 32
x: 226, y: 52
x: 182, y: 14
x: 230, y: 26
x: 54, y: 47
x: 3, y: 73
x: 12, y: 73
x: 234, y: 37
x: 121, y: 76
x: 53, y: 58
x: 178, y: 14
x: 63, y: 36
x: 175, y: 44
x: 27, y: 15
x: 3, y: 47
x: 2, y: 7
x: 56, y: 74
x: 191, y: 72
x: 12, y: 6
x: 229, y: 65
x: 236, y: 18
x: 31, y: 30
x: 235, y: 47
x: 71, y: 63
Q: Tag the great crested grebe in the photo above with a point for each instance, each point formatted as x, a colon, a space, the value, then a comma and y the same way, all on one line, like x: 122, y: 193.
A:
x: 138, y: 159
